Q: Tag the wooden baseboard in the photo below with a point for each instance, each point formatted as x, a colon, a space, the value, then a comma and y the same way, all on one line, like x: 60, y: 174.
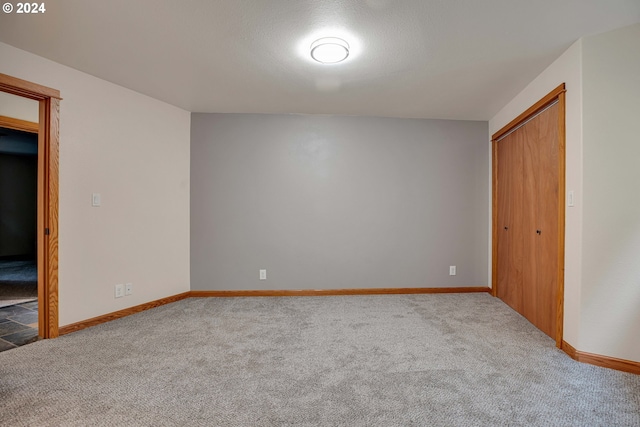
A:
x: 603, y: 361
x: 568, y: 348
x: 329, y: 292
x: 121, y: 313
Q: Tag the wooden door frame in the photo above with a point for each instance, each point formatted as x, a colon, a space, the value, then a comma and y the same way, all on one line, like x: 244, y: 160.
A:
x: 557, y: 94
x: 47, y: 223
x: 17, y: 124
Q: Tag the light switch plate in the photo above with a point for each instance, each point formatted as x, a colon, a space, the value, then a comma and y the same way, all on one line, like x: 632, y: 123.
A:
x: 96, y: 200
x: 119, y: 290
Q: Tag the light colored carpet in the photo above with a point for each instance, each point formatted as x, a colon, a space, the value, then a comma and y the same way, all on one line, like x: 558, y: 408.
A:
x: 401, y: 360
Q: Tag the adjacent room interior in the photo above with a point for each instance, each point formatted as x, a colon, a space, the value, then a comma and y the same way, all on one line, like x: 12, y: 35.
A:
x: 235, y: 229
x: 18, y: 212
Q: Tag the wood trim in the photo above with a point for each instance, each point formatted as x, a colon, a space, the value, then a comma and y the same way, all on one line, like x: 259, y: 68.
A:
x: 609, y: 362
x: 17, y: 124
x: 602, y: 361
x: 52, y: 116
x: 47, y: 217
x: 546, y: 100
x: 121, y: 313
x: 26, y: 89
x: 561, y: 215
x: 42, y: 253
x: 494, y: 220
x: 569, y: 349
x: 330, y: 292
x: 557, y: 93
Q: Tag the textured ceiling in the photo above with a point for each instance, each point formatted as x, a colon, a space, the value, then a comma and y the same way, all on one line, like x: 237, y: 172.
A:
x: 455, y: 59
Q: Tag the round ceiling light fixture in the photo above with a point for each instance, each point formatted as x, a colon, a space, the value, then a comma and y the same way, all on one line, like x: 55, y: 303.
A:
x: 329, y: 50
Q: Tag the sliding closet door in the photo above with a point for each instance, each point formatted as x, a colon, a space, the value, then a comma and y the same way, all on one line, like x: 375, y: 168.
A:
x: 540, y: 220
x: 528, y: 213
x: 510, y: 203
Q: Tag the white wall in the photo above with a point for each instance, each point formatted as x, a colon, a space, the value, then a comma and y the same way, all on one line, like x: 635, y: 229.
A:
x: 566, y: 69
x: 610, y: 318
x: 18, y: 107
x: 134, y: 150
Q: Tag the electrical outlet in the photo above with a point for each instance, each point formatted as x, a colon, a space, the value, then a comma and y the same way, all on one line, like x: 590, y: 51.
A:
x: 452, y: 270
x: 263, y: 274
x: 128, y: 288
x: 119, y: 291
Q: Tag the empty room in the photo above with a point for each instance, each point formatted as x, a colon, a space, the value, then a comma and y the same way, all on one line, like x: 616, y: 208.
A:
x: 333, y: 213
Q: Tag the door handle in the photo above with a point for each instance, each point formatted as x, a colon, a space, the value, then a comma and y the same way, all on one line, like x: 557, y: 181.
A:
x: 506, y: 228
x: 538, y: 231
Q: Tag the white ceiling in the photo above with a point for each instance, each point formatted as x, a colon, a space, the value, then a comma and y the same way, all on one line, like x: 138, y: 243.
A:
x: 454, y: 59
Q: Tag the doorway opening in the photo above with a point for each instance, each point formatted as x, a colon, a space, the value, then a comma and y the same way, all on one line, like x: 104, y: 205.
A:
x: 18, y: 242
x: 46, y: 223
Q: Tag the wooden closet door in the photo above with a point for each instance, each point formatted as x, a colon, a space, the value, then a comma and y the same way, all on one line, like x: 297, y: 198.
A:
x: 540, y: 220
x: 528, y: 213
x: 510, y: 201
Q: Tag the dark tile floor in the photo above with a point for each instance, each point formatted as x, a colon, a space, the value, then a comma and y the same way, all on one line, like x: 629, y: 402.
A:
x: 18, y: 325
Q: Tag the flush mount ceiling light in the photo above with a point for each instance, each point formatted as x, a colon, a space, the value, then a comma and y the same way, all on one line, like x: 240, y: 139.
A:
x: 329, y: 50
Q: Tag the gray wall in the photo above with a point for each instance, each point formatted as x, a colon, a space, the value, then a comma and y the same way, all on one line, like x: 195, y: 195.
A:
x: 326, y: 202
